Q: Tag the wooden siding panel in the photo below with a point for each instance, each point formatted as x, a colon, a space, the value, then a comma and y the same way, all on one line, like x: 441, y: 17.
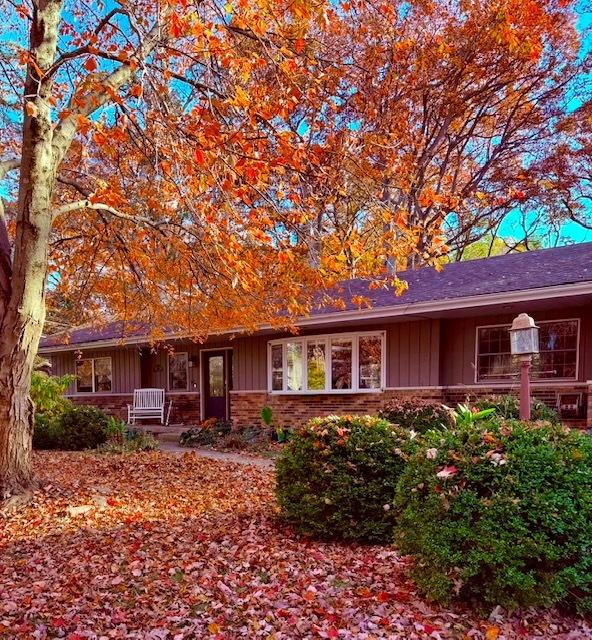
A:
x: 458, y: 343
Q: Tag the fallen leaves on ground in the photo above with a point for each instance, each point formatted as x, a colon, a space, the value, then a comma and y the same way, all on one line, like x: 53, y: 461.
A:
x: 157, y: 546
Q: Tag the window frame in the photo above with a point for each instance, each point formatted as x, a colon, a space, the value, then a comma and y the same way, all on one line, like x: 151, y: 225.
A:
x: 326, y: 338
x: 177, y: 353
x: 534, y: 380
x: 92, y: 361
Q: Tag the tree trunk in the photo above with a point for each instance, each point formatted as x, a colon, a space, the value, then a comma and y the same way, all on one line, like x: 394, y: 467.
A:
x: 22, y: 303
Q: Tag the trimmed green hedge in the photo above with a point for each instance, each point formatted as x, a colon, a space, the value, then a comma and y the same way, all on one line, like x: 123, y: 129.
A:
x: 500, y: 513
x: 336, y: 477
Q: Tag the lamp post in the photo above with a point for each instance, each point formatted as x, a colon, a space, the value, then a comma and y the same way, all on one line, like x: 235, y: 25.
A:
x: 524, y: 341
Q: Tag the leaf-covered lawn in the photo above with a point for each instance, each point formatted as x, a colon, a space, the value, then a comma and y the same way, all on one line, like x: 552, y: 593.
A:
x: 158, y: 546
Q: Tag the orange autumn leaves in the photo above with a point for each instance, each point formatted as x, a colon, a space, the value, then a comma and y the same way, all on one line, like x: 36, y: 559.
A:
x: 167, y: 547
x: 265, y: 150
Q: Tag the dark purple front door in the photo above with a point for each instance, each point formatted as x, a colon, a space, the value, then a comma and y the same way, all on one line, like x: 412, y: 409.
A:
x: 216, y: 370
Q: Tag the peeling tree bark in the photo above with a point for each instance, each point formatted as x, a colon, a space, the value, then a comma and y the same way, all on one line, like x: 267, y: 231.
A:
x: 23, y: 275
x: 23, y: 300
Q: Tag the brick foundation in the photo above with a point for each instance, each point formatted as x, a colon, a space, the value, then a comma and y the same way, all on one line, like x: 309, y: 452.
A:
x: 294, y: 410
x: 185, y: 409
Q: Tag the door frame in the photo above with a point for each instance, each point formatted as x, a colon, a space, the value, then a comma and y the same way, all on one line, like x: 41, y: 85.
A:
x: 228, y: 372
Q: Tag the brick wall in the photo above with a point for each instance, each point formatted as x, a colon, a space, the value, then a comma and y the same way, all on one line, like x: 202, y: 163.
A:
x: 547, y: 394
x: 185, y: 409
x: 294, y: 410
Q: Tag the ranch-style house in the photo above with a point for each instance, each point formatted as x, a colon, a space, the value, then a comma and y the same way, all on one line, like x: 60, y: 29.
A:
x: 446, y: 338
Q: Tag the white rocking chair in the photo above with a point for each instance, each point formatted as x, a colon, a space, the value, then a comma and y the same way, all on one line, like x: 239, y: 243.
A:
x: 148, y: 404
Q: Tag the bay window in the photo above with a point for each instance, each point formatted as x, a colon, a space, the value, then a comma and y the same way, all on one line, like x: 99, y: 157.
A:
x: 93, y: 375
x: 557, y: 357
x: 327, y: 363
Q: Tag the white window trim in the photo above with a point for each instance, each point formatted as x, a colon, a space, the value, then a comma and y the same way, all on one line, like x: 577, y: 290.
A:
x: 92, y: 360
x: 326, y: 337
x: 535, y: 380
x: 178, y: 353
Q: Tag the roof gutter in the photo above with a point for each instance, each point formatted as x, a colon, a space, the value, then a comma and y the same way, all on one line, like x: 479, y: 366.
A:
x: 393, y: 311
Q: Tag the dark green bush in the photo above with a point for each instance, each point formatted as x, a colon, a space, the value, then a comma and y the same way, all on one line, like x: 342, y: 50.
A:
x: 500, y: 512
x: 80, y: 427
x: 417, y: 416
x: 44, y: 432
x: 336, y: 477
x: 509, y: 407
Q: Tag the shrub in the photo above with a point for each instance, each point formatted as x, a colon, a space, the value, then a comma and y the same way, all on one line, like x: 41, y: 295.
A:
x: 509, y: 407
x: 500, y: 512
x: 80, y: 427
x: 336, y: 477
x: 417, y: 416
x: 206, y: 433
x: 47, y: 393
x: 49, y: 402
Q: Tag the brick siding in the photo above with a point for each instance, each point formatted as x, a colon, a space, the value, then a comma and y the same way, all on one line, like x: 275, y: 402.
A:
x: 294, y: 410
x: 185, y: 409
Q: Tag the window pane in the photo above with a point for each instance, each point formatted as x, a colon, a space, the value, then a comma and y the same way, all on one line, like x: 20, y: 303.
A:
x: 277, y: 368
x: 84, y: 376
x: 558, y: 343
x: 341, y: 363
x: 216, y: 376
x: 178, y: 371
x: 370, y: 362
x: 494, y: 357
x: 316, y: 364
x: 103, y: 374
x: 294, y: 358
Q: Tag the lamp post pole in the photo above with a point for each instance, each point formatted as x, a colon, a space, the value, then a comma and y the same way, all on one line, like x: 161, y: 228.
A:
x: 524, y: 341
x: 525, y: 365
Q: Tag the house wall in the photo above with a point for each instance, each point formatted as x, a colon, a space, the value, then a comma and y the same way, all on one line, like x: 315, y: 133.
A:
x: 412, y: 354
x: 458, y: 356
x: 125, y: 367
x: 428, y: 359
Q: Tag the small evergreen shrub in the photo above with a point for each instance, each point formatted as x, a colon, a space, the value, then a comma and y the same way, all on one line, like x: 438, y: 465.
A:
x: 509, y: 407
x: 80, y: 427
x: 500, y: 512
x: 336, y: 477
x: 417, y: 416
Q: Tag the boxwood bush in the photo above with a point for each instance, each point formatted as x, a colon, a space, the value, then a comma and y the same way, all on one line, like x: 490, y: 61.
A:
x: 336, y: 477
x: 500, y: 512
x: 417, y: 416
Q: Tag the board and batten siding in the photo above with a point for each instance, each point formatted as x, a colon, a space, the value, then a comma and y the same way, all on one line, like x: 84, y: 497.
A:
x: 459, y: 335
x: 125, y: 366
x: 412, y: 354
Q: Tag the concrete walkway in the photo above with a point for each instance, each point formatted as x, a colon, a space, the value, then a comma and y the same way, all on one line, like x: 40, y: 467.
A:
x: 239, y: 458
